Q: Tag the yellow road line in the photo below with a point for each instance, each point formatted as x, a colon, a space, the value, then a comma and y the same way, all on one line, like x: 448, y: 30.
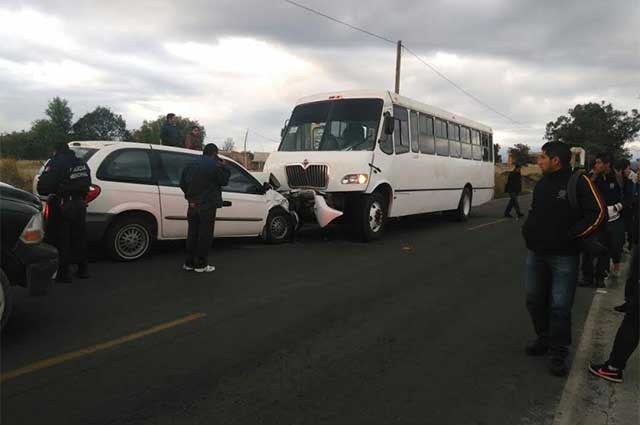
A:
x: 59, y: 359
x: 487, y: 224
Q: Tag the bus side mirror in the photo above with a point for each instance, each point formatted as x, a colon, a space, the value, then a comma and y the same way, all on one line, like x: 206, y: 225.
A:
x: 388, y: 125
x: 284, y: 128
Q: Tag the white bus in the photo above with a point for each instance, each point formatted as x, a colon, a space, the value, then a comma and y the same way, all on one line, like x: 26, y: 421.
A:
x: 371, y: 155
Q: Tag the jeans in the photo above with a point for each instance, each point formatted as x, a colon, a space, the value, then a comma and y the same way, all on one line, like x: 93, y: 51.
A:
x: 627, y: 336
x: 200, y: 235
x: 513, y: 202
x: 550, y: 288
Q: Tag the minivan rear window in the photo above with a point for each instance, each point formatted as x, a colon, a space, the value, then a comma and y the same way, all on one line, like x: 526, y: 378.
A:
x: 84, y: 153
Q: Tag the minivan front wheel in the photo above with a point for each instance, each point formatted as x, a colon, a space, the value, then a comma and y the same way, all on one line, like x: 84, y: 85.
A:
x: 128, y: 239
x: 279, y: 226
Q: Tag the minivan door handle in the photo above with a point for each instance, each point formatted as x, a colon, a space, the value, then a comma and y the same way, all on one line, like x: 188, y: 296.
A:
x: 226, y: 204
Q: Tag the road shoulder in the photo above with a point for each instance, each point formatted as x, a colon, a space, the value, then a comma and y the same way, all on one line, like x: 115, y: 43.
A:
x: 587, y: 399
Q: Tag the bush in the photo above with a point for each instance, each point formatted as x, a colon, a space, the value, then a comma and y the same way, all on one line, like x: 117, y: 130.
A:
x: 18, y: 173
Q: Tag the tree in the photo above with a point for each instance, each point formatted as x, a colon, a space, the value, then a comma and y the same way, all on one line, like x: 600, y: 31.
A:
x: 149, y: 132
x: 14, y: 144
x: 228, y: 145
x: 496, y: 153
x: 100, y: 124
x: 520, y: 154
x: 596, y: 128
x: 60, y: 114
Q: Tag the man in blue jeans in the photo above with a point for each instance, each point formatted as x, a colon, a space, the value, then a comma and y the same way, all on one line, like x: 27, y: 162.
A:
x: 553, y: 232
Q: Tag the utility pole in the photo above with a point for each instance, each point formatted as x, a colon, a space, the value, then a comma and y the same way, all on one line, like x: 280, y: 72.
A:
x: 245, y: 149
x: 398, y: 56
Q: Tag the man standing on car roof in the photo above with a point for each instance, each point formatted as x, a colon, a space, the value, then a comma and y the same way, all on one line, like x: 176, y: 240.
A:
x: 169, y: 131
x: 202, y: 183
x: 66, y: 179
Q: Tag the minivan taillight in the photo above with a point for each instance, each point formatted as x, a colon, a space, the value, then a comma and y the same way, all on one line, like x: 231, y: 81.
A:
x: 94, y: 191
x: 33, y: 233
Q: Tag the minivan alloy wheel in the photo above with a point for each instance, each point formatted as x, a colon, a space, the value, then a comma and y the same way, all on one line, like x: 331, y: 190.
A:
x: 132, y: 241
x: 279, y: 227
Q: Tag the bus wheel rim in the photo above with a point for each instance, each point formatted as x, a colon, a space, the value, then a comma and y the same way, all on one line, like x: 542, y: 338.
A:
x: 375, y: 216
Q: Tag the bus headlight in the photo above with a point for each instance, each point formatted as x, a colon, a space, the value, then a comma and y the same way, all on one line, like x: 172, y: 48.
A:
x: 360, y: 179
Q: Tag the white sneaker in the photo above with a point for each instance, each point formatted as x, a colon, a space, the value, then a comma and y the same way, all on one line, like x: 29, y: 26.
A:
x: 208, y: 268
x: 187, y: 267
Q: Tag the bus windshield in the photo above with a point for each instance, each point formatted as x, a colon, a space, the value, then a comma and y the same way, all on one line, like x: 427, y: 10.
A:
x: 336, y: 125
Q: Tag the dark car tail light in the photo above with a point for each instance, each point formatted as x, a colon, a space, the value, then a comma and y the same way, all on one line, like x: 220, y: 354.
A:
x: 94, y: 191
x: 45, y: 211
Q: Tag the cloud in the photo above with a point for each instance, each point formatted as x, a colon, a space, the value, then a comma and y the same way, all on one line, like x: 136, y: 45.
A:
x: 242, y: 64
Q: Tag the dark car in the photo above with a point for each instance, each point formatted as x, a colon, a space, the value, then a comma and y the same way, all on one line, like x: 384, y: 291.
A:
x: 24, y: 259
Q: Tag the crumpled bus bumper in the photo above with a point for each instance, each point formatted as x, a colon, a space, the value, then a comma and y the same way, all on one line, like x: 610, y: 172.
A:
x: 324, y: 214
x: 308, y: 204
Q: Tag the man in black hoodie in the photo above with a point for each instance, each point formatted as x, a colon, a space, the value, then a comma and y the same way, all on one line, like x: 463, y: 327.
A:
x: 552, y: 233
x: 513, y: 188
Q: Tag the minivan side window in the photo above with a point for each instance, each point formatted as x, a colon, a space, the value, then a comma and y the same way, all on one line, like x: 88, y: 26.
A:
x: 127, y: 165
x: 172, y: 164
x: 240, y: 181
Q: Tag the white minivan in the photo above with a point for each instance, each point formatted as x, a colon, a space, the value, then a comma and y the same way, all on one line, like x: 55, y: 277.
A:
x: 135, y: 199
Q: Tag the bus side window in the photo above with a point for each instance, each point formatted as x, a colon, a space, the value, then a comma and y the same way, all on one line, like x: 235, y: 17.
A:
x: 486, y: 155
x: 401, y: 131
x: 425, y: 134
x: 454, y: 140
x: 475, y: 143
x: 413, y: 122
x: 442, y: 144
x: 491, y: 153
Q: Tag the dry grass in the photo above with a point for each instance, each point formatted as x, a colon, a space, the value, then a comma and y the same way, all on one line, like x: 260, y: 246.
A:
x: 18, y: 173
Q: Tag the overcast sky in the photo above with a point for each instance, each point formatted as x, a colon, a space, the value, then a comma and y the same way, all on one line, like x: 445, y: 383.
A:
x: 242, y: 64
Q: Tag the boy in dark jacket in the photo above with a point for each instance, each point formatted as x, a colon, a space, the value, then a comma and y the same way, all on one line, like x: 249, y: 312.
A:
x: 513, y: 188
x: 552, y: 233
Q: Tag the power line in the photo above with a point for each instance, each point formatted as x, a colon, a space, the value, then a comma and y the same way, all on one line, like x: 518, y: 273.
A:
x: 353, y: 27
x: 466, y: 92
x: 431, y: 67
x: 264, y: 137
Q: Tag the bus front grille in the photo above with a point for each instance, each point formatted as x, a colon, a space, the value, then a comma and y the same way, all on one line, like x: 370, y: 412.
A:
x: 313, y: 176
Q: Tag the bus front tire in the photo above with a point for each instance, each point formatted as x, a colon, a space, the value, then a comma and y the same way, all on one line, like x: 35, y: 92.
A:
x: 372, y: 217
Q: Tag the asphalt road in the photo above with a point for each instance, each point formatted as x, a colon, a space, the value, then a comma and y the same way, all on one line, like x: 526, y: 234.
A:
x: 426, y: 326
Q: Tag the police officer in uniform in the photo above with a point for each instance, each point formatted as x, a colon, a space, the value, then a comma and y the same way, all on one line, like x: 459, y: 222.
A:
x: 66, y: 179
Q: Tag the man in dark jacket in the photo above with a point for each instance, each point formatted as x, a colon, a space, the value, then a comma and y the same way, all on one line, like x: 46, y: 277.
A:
x: 169, y: 131
x: 552, y: 233
x: 66, y: 180
x: 202, y: 183
x: 608, y: 186
x: 513, y: 188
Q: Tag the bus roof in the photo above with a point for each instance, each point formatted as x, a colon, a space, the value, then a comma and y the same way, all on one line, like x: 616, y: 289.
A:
x: 397, y: 99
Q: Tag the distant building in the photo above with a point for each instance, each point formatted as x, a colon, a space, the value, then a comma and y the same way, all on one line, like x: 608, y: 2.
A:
x: 259, y: 158
x: 253, y: 161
